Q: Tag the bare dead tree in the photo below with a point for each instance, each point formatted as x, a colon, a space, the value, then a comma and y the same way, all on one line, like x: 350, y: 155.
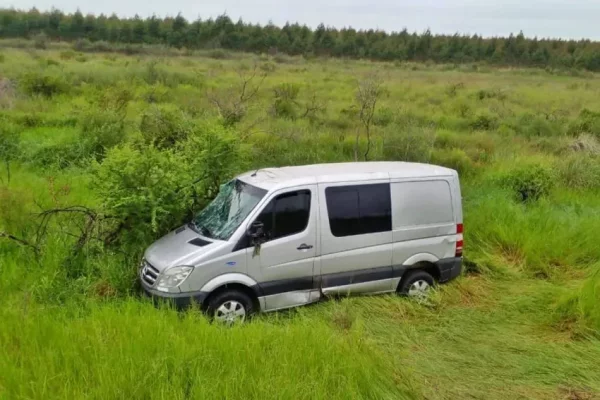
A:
x: 368, y: 93
x: 233, y: 103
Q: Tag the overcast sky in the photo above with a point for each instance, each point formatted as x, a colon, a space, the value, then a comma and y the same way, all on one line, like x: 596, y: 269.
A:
x: 544, y: 18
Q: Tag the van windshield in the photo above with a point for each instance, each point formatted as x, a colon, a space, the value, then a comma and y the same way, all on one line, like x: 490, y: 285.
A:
x: 228, y: 210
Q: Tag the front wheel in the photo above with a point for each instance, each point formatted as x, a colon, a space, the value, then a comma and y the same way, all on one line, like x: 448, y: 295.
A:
x: 230, y: 307
x: 416, y: 283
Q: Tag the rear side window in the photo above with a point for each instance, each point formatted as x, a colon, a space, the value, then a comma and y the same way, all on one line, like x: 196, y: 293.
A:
x: 359, y: 209
x: 422, y: 203
x: 287, y: 214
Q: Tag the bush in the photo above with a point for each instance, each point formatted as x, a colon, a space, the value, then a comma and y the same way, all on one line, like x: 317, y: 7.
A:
x: 445, y: 139
x: 150, y: 191
x: 383, y: 116
x: 82, y: 45
x: 47, y: 83
x: 67, y: 55
x: 213, y: 153
x: 456, y: 159
x: 530, y: 125
x: 286, y: 104
x: 587, y: 122
x: 529, y: 182
x: 483, y: 122
x: 40, y: 41
x: 411, y: 145
x: 139, y: 187
x: 102, y: 125
x: 164, y: 126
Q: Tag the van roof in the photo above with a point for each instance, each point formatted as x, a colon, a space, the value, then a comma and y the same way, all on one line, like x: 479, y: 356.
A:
x: 272, y: 178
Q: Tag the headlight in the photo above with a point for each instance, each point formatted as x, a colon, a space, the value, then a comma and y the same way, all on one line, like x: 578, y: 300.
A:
x: 172, y: 278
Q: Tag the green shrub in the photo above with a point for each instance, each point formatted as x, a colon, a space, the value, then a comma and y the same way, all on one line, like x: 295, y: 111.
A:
x: 456, y: 159
x: 164, y: 126
x: 213, y: 153
x: 413, y: 144
x: 529, y: 182
x: 46, y: 83
x: 82, y: 45
x: 150, y: 191
x: 139, y: 188
x: 445, y: 139
x: 40, y: 41
x: 102, y: 125
x: 587, y: 122
x: 530, y: 125
x: 2, y: 58
x: 483, y: 122
x: 383, y: 116
x: 286, y: 104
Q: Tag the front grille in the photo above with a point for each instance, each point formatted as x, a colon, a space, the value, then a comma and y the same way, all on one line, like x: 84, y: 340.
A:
x: 149, y: 273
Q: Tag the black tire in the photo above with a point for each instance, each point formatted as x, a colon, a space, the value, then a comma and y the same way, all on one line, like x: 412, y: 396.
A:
x: 410, y: 277
x: 231, y: 296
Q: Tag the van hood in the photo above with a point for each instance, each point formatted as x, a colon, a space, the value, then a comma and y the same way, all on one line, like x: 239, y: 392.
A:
x: 183, y: 246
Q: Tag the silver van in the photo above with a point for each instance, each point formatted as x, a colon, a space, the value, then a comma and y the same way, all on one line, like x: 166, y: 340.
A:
x: 283, y: 237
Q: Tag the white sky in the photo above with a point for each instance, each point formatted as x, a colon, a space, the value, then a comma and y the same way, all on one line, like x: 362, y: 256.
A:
x: 543, y: 18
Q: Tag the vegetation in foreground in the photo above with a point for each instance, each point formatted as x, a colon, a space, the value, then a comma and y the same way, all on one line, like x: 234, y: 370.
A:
x: 101, y: 154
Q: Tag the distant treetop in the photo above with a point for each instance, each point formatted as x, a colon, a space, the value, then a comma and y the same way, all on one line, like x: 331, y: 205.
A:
x: 296, y: 39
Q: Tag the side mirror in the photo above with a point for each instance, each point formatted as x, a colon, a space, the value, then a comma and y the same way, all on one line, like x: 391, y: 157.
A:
x: 256, y: 230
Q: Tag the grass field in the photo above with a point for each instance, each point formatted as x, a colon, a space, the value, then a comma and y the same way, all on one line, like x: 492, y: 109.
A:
x: 102, y: 153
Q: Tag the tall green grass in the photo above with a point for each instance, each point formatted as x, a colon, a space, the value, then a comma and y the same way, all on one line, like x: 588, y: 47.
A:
x: 522, y: 323
x: 130, y: 350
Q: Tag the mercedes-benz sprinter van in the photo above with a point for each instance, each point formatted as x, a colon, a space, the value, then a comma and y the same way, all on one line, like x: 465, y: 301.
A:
x: 283, y: 237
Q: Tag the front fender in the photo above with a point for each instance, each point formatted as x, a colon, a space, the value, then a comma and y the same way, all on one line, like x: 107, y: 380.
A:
x: 225, y: 279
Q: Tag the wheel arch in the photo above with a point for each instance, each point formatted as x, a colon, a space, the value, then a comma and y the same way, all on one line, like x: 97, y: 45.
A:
x: 426, y: 262
x: 234, y: 281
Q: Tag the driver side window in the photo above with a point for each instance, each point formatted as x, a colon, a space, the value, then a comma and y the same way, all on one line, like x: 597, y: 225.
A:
x: 286, y: 215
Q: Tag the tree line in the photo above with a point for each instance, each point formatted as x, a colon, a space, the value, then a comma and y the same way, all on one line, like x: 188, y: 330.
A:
x: 296, y: 39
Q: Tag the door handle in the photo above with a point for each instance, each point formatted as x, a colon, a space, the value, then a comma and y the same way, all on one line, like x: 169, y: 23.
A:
x: 304, y: 246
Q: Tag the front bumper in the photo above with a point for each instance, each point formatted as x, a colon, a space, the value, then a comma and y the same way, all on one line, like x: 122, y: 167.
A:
x: 180, y: 301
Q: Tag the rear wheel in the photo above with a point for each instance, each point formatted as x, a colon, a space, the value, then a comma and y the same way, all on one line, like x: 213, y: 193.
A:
x: 416, y: 283
x: 230, y: 307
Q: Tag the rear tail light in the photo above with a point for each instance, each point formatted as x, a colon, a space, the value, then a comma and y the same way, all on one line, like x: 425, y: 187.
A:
x: 459, y: 240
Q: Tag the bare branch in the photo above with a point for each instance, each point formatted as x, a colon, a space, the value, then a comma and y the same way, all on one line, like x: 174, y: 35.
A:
x: 368, y: 93
x: 20, y: 241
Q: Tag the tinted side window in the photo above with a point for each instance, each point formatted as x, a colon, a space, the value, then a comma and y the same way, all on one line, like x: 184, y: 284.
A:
x: 287, y: 214
x: 360, y: 209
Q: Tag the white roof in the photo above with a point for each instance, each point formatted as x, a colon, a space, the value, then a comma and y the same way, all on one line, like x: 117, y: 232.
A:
x: 272, y: 178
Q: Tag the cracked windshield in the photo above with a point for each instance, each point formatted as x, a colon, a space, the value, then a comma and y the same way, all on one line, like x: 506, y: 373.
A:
x: 228, y: 210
